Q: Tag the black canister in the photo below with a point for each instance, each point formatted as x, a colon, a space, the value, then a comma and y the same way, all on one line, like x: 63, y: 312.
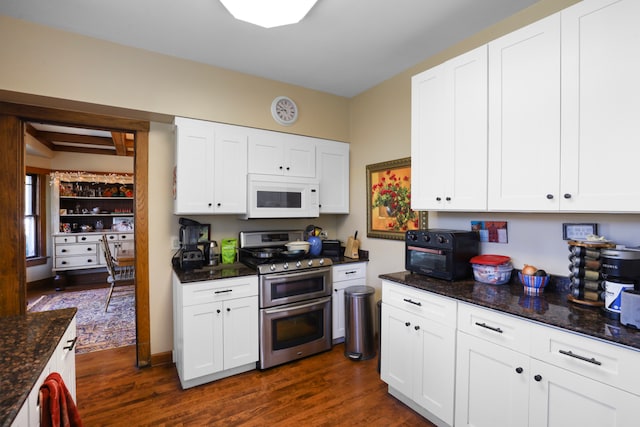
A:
x: 621, y: 263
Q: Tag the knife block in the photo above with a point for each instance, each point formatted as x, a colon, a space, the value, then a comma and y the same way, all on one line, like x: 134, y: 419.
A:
x: 351, y: 248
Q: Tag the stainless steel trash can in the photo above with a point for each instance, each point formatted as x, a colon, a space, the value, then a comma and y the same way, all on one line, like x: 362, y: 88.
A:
x: 359, y: 341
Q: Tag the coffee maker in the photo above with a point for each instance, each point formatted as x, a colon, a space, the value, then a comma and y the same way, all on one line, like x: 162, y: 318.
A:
x: 190, y: 255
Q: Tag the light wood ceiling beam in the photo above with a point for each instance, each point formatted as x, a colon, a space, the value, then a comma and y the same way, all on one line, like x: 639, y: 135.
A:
x: 119, y: 141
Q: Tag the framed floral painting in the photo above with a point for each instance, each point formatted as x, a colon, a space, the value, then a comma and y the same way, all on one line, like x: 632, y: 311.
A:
x: 389, y: 213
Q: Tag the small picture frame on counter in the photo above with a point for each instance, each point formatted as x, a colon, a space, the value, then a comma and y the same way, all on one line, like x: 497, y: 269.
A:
x: 578, y: 231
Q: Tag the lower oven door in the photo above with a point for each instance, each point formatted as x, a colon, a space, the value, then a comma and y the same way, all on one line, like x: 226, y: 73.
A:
x: 293, y: 331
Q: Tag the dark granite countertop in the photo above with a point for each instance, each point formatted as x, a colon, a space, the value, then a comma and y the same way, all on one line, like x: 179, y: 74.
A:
x: 226, y: 271
x: 222, y: 271
x: 27, y: 344
x: 552, y: 308
x: 344, y: 260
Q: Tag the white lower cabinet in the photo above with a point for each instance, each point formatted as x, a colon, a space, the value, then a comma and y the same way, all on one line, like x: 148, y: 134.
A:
x: 418, y: 350
x: 492, y: 384
x: 512, y: 372
x: 215, y: 328
x: 62, y: 361
x: 344, y: 276
x: 507, y: 371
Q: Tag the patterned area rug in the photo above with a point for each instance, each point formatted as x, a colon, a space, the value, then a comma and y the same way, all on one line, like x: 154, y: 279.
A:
x: 97, y: 330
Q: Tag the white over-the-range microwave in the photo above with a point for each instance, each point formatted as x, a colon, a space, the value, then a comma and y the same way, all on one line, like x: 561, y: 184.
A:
x: 272, y: 196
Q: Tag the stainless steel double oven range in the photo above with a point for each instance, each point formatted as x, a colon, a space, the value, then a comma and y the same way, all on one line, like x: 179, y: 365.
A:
x: 295, y: 297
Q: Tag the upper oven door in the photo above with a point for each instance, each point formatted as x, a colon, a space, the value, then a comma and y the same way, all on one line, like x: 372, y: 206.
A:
x: 285, y: 288
x: 282, y: 197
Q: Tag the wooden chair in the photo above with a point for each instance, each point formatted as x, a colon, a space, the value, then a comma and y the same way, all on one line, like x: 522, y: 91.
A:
x: 117, y: 274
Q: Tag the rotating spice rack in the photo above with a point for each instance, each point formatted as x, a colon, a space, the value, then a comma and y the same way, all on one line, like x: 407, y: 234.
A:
x: 585, y: 272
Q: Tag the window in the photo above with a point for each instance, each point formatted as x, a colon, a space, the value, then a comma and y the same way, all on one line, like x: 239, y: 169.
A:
x: 34, y: 225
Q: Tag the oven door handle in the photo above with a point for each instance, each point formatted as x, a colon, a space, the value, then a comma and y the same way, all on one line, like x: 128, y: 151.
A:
x: 296, y: 306
x: 311, y: 271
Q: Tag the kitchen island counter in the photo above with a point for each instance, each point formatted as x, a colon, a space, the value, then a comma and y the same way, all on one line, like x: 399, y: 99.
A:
x: 552, y: 308
x: 28, y: 342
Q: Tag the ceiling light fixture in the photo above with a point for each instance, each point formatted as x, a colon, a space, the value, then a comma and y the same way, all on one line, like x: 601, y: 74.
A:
x: 269, y: 13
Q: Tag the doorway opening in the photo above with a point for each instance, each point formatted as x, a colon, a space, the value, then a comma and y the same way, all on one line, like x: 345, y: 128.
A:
x: 14, y: 117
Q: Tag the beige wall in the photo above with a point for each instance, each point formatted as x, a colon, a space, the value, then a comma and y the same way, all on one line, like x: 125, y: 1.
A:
x: 381, y: 131
x: 63, y: 66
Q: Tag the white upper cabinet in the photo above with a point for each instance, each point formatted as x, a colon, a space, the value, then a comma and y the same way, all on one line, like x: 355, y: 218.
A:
x: 332, y: 167
x: 449, y: 134
x: 275, y: 153
x: 230, y: 170
x: 600, y: 106
x: 524, y: 119
x: 211, y: 168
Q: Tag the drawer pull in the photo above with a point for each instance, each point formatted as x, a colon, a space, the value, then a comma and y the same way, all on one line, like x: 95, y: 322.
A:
x: 71, y: 343
x: 63, y: 250
x: 223, y: 291
x: 410, y: 301
x: 350, y: 272
x: 493, y: 328
x: 577, y: 356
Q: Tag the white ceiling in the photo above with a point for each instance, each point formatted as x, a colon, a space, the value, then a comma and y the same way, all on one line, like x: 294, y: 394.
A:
x: 342, y: 47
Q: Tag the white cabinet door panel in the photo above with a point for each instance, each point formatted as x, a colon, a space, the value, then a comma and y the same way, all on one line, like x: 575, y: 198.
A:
x: 600, y: 109
x: 524, y: 118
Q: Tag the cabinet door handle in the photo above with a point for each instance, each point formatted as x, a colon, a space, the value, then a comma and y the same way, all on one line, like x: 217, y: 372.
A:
x: 63, y: 262
x: 288, y: 168
x: 83, y: 238
x: 519, y: 370
x: 567, y: 196
x: 538, y: 377
x: 280, y: 167
x: 549, y: 196
x: 218, y: 311
x: 448, y: 199
x: 89, y: 249
x: 71, y: 343
x: 407, y: 324
x: 438, y: 199
x: 219, y: 204
x: 223, y: 291
x: 410, y: 301
x: 89, y: 261
x: 417, y: 327
x: 228, y: 309
x: 493, y: 328
x: 577, y: 356
x: 63, y: 250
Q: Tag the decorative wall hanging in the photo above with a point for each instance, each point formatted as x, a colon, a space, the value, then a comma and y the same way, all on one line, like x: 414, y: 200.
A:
x: 389, y: 213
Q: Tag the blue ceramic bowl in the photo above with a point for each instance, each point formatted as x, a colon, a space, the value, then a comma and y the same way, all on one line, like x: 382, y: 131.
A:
x: 533, y: 285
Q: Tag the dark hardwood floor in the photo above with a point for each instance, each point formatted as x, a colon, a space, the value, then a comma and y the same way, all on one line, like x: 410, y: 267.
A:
x: 323, y: 390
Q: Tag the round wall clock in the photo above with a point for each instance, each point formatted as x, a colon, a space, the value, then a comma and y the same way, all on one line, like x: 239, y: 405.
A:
x: 284, y: 110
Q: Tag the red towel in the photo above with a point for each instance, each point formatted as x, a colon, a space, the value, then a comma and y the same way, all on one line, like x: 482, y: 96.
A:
x: 57, y: 408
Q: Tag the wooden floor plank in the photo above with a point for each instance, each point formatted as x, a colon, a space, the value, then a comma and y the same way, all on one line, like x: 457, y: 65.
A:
x: 323, y: 390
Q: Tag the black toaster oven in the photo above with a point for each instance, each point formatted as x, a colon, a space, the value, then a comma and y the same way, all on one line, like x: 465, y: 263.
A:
x: 443, y: 254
